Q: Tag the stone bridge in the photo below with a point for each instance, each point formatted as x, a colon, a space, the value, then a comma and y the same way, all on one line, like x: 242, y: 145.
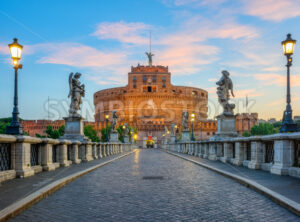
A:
x: 183, y: 181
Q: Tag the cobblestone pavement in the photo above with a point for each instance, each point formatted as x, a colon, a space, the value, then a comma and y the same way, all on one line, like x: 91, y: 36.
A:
x: 187, y: 192
x: 16, y: 189
x: 284, y: 185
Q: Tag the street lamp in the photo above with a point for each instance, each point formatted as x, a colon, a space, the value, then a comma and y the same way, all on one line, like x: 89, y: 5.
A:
x: 16, y: 51
x: 106, y: 120
x: 288, y: 125
x: 192, y: 120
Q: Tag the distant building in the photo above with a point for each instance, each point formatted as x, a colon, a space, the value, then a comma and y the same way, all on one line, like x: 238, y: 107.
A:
x: 296, y: 118
x: 245, y: 121
x: 272, y: 121
x: 150, y: 102
x: 33, y: 127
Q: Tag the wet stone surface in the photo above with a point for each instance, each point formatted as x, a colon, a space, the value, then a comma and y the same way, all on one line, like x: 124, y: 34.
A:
x: 186, y: 192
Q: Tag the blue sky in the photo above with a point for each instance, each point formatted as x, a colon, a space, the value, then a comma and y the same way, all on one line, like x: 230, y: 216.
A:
x: 103, y: 39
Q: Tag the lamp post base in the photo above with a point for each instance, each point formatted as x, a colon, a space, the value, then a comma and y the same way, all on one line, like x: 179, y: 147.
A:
x: 15, y: 130
x: 289, y: 127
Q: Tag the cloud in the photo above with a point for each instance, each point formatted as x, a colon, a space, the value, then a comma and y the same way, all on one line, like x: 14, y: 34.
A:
x: 197, y: 29
x: 78, y: 55
x: 111, y: 80
x: 187, y: 59
x: 212, y: 80
x: 134, y: 32
x: 282, y: 101
x: 246, y: 92
x: 272, y: 10
x: 4, y: 49
x: 278, y: 80
x: 193, y: 2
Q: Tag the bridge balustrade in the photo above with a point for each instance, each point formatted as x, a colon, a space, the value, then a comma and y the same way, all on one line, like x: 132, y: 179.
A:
x: 277, y: 154
x: 23, y: 156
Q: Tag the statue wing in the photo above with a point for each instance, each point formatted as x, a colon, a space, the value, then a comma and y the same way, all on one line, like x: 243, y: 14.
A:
x: 70, y: 84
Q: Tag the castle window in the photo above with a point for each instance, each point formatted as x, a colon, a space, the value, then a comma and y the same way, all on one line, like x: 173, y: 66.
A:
x: 149, y: 89
x: 144, y: 78
x: 154, y: 79
x: 164, y: 85
x: 202, y: 94
x: 164, y: 79
x: 134, y: 79
x: 134, y: 85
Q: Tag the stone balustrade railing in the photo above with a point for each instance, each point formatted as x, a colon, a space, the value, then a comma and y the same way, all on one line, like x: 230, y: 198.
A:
x: 278, y: 153
x: 23, y: 156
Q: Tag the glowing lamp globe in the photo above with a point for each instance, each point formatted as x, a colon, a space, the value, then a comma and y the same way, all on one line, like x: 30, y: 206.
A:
x: 15, y: 51
x: 288, y: 45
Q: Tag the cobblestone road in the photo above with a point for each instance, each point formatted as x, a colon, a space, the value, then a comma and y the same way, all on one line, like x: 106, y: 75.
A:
x: 187, y: 192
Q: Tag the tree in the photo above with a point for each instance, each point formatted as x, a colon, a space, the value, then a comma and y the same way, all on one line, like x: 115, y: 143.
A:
x: 91, y: 133
x: 55, y: 134
x: 263, y: 129
x: 4, y: 122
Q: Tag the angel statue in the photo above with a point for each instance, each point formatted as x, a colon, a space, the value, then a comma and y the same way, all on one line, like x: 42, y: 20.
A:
x: 76, y: 92
x: 185, y: 120
x: 114, y: 120
x: 224, y: 86
x: 150, y: 55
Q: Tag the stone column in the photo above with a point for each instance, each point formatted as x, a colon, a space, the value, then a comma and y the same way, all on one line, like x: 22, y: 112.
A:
x: 46, y: 148
x: 63, y: 153
x: 257, y: 155
x: 228, y: 152
x: 195, y: 149
x: 212, y: 151
x: 22, y: 158
x: 283, y: 157
x: 104, y: 154
x: 121, y: 147
x: 206, y: 151
x: 99, y: 150
x: 239, y: 153
x: 94, y: 151
x: 75, y: 152
x: 88, y: 152
x: 219, y: 150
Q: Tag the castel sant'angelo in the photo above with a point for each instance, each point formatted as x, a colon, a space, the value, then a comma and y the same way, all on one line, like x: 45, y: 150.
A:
x: 150, y: 102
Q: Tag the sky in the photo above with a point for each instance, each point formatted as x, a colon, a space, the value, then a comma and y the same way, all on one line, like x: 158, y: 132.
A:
x: 102, y: 39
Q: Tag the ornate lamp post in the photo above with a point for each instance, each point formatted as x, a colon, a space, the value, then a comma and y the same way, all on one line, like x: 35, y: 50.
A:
x: 16, y: 51
x: 106, y: 120
x: 288, y: 125
x: 192, y: 120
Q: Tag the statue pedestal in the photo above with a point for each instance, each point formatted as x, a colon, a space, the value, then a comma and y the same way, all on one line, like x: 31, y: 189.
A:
x: 74, y: 129
x: 114, y: 136
x: 226, y: 127
x: 126, y: 139
x: 173, y: 139
x: 185, y: 136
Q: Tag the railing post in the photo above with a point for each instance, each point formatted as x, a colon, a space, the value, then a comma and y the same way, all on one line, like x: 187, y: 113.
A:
x: 239, y: 153
x: 228, y: 152
x: 99, y: 151
x: 87, y: 154
x: 257, y: 154
x: 63, y: 153
x: 212, y: 151
x: 206, y: 151
x: 283, y: 156
x: 75, y: 156
x: 94, y: 150
x: 47, y: 154
x: 22, y: 159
